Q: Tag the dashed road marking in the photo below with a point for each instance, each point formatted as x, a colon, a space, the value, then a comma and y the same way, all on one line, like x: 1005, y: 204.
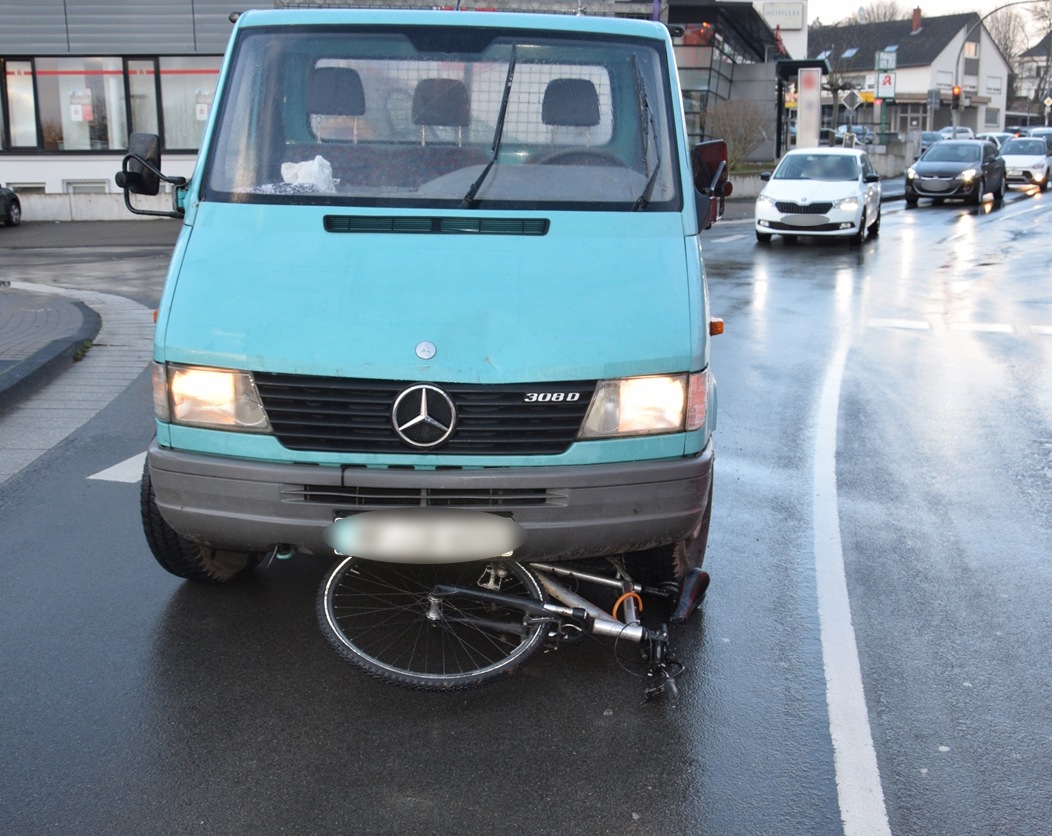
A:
x: 910, y: 324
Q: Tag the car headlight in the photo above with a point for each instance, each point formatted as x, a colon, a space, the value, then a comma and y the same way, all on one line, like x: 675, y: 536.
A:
x: 203, y: 397
x: 646, y: 406
x: 764, y: 200
x: 911, y: 173
x: 968, y: 175
x: 848, y: 204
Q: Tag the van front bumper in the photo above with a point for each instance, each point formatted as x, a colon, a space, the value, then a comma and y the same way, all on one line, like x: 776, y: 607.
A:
x: 567, y: 512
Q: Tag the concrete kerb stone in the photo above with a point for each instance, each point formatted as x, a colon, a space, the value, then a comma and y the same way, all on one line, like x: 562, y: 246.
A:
x: 51, y: 359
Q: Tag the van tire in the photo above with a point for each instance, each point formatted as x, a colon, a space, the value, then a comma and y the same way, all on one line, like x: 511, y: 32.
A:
x: 669, y: 564
x: 180, y: 556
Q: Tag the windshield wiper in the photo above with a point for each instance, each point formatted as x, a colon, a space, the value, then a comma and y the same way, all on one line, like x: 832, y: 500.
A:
x: 498, y: 135
x: 646, y: 128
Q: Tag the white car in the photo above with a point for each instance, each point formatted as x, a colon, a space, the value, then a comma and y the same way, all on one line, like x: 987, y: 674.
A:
x: 960, y: 132
x: 1028, y: 160
x: 822, y: 192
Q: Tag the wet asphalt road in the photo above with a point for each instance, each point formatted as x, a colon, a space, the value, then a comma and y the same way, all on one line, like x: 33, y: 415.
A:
x: 137, y: 703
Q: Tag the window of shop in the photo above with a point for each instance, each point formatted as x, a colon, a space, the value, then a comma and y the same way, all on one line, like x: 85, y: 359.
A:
x: 188, y: 86
x: 21, y: 103
x: 81, y: 104
x: 142, y: 96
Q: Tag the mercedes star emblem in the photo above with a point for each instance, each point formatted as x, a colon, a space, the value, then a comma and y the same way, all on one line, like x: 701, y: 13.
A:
x: 423, y: 415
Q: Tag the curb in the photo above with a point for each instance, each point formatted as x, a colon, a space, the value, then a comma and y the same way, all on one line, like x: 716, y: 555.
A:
x: 49, y: 362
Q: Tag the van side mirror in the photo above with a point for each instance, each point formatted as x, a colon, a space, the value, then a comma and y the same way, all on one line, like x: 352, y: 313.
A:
x: 708, y: 162
x: 141, y: 173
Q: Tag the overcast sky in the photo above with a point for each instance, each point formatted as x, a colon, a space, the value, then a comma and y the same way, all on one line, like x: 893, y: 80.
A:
x: 830, y: 11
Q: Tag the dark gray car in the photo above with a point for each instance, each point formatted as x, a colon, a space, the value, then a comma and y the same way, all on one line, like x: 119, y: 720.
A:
x: 961, y: 169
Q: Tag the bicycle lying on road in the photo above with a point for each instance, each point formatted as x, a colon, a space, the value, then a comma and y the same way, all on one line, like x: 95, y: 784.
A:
x: 451, y: 626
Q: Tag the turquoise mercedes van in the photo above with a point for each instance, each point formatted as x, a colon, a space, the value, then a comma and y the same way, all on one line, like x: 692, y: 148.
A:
x: 435, y: 258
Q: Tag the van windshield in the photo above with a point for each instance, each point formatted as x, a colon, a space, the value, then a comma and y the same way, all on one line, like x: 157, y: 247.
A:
x: 444, y: 117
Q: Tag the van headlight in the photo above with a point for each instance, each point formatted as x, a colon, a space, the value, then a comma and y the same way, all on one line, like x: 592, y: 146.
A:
x: 196, y: 396
x: 646, y: 406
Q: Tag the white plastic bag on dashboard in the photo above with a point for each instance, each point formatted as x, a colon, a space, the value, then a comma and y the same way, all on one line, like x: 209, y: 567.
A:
x: 316, y: 173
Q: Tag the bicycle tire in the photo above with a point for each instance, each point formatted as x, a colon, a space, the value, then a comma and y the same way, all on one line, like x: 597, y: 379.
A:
x: 375, y: 615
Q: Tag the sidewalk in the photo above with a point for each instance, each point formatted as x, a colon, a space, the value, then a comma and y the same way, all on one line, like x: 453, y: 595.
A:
x: 41, y: 335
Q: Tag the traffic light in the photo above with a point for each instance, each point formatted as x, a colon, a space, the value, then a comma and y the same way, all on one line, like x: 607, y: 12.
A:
x: 955, y: 101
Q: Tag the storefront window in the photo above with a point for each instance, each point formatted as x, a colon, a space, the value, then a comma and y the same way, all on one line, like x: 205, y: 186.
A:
x: 142, y: 95
x: 188, y: 86
x: 81, y: 104
x: 21, y: 104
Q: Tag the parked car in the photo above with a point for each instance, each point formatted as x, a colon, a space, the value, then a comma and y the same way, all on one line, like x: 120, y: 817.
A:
x: 998, y: 138
x: 1039, y: 132
x: 1028, y: 160
x: 960, y: 132
x: 928, y: 139
x: 10, y: 208
x: 821, y: 192
x: 957, y: 169
x: 862, y: 134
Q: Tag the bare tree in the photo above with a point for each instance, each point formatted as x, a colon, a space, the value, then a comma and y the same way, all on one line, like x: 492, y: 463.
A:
x: 1008, y: 30
x: 745, y: 125
x: 879, y: 11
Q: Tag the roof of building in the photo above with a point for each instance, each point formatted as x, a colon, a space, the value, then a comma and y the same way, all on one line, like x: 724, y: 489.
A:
x: 1040, y: 49
x: 852, y: 47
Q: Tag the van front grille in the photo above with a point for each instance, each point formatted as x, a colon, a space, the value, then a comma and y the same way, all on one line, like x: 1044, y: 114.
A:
x: 340, y: 415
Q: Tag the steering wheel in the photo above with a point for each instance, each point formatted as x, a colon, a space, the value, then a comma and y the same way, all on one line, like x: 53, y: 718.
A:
x: 583, y: 156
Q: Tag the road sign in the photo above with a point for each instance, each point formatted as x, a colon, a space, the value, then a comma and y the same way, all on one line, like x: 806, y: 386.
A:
x: 850, y: 99
x: 934, y: 98
x: 884, y: 61
x: 1048, y: 101
x: 886, y: 85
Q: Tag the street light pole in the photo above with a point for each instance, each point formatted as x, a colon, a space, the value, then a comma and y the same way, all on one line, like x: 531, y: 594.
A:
x: 955, y: 113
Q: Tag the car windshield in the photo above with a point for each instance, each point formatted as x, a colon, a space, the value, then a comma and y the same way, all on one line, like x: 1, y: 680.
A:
x: 930, y: 136
x: 412, y: 115
x: 949, y: 152
x: 832, y: 167
x: 1029, y: 147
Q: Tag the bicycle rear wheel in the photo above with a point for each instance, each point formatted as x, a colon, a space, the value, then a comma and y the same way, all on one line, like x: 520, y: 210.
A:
x: 376, y: 616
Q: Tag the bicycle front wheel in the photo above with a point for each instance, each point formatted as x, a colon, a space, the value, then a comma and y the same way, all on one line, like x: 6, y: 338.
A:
x: 381, y: 617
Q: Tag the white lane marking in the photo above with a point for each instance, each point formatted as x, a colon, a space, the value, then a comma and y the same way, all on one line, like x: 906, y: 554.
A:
x: 983, y: 328
x: 725, y: 239
x: 1043, y: 330
x: 911, y: 324
x: 859, y: 790
x: 129, y: 470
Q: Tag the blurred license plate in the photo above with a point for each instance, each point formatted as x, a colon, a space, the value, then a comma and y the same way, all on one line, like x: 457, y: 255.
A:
x: 425, y: 535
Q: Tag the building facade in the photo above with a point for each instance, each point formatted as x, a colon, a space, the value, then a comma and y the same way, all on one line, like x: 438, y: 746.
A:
x: 904, y: 71
x: 80, y: 75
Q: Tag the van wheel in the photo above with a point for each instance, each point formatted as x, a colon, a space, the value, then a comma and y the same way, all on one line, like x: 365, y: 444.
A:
x: 668, y: 564
x: 182, y: 557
